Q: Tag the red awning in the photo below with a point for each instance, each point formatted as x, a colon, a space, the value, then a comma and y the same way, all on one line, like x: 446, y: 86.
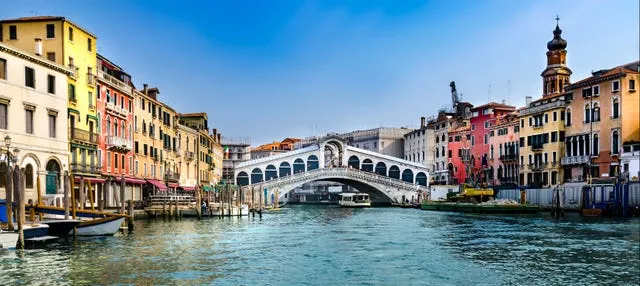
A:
x: 89, y: 180
x: 160, y: 185
x: 134, y: 181
x: 188, y: 188
x: 173, y: 185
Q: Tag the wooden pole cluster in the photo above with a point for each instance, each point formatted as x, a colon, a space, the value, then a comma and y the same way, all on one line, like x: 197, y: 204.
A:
x: 65, y: 201
x: 122, y: 200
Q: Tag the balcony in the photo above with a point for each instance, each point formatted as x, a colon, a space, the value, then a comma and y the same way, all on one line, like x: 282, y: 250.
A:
x: 91, y: 79
x: 539, y: 126
x: 541, y: 108
x: 537, y: 147
x: 74, y: 71
x: 173, y: 177
x: 79, y: 167
x: 509, y: 157
x: 537, y: 166
x: 118, y: 144
x: 123, y: 87
x: 575, y: 160
x: 188, y: 155
x: 84, y: 136
x: 117, y: 110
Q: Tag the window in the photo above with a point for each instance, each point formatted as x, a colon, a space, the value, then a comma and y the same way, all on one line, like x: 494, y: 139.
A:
x: 51, y: 32
x: 596, y: 90
x: 595, y: 117
x: 122, y: 161
x: 586, y: 92
x: 521, y: 123
x: 615, y: 86
x: 137, y: 166
x: 72, y: 92
x: 51, y: 56
x: 555, y: 116
x: 473, y: 127
x: 28, y: 121
x: 29, y: 77
x: 13, y: 32
x: 70, y: 34
x: 521, y: 141
x: 3, y: 69
x: 90, y: 97
x: 614, y: 142
x: 29, y: 176
x: 3, y: 116
x: 99, y: 92
x: 568, y: 116
x: 596, y: 145
x: 546, y: 118
x: 115, y: 161
x: 486, y: 138
x: 51, y: 84
x: 52, y: 126
x: 632, y: 84
x: 587, y: 113
x: 554, y: 136
x: 130, y: 165
x: 615, y: 113
x: 530, y: 121
x: 88, y: 44
x: 450, y: 154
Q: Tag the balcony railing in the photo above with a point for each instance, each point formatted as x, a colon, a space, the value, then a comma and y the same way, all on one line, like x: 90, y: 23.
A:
x: 537, y: 147
x: 119, y: 144
x: 173, y: 177
x: 79, y: 167
x: 84, y: 136
x: 538, y: 166
x: 541, y: 108
x: 114, y: 108
x: 575, y: 160
x: 91, y: 79
x: 188, y: 155
x: 509, y: 157
x: 74, y: 71
x: 115, y: 82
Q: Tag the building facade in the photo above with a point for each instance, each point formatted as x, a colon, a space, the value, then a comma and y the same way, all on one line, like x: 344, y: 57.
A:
x: 597, y: 127
x: 542, y: 122
x: 383, y: 140
x: 34, y: 89
x: 205, y: 148
x: 270, y: 149
x: 188, y: 138
x: 503, y: 150
x: 235, y: 151
x: 459, y: 147
x: 419, y: 145
x: 440, y: 128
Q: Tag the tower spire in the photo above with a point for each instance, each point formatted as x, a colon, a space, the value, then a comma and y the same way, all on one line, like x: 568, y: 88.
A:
x: 557, y: 20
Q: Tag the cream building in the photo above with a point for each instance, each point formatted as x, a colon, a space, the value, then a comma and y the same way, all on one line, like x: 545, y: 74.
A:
x: 188, y: 138
x: 419, y: 145
x: 34, y: 90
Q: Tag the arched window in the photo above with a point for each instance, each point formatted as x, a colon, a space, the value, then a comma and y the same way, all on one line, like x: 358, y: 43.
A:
x: 437, y: 152
x: 615, y: 113
x: 568, y: 115
x: 596, y: 145
x: 442, y: 151
x: 29, y: 176
x: 122, y: 126
x: 437, y: 139
x: 596, y: 112
x: 115, y: 128
x: 444, y: 139
x: 587, y: 113
x: 615, y: 142
x: 99, y: 122
x: 109, y: 125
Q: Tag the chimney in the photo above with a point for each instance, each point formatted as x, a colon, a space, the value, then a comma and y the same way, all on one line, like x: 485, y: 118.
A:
x: 423, y: 122
x: 215, y: 132
x: 504, y: 101
x: 527, y: 101
x: 144, y: 88
x: 219, y: 136
x: 38, y: 47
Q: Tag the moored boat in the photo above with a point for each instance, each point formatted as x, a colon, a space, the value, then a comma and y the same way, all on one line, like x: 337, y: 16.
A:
x: 101, y: 226
x: 60, y: 227
x: 480, y: 208
x: 8, y: 239
x: 354, y: 200
x: 35, y: 230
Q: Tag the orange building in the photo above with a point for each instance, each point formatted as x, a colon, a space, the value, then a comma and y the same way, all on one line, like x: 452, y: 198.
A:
x: 270, y: 149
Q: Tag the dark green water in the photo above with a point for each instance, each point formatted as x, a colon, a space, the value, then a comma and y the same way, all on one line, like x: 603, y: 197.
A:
x: 322, y: 245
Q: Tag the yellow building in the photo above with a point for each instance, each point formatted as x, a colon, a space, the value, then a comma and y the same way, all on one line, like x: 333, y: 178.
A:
x: 204, y: 150
x: 188, y: 138
x: 218, y: 156
x: 602, y: 117
x: 59, y: 40
x: 156, y: 148
x: 542, y: 121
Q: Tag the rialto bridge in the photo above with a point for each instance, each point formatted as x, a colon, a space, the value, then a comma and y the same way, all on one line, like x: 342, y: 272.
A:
x: 387, y: 179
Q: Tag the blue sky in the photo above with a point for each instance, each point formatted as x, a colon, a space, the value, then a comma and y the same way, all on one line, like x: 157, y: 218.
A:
x: 274, y: 69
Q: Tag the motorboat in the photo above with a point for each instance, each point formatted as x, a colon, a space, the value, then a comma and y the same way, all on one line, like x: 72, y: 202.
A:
x: 354, y: 200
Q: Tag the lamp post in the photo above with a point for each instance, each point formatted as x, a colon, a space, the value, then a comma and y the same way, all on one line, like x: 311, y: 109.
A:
x: 166, y: 175
x: 11, y: 157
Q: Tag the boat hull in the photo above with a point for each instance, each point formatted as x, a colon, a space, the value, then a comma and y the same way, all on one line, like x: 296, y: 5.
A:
x: 31, y: 231
x: 354, y: 205
x: 479, y: 208
x: 61, y: 227
x: 98, y: 227
x: 8, y: 239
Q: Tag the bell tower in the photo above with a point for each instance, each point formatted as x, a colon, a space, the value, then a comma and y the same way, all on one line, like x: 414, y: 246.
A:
x: 557, y: 74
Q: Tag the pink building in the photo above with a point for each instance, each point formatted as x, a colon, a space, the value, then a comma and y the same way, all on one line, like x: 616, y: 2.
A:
x: 503, y: 150
x: 481, y: 119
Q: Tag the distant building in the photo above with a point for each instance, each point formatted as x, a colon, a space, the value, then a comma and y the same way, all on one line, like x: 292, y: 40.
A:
x: 383, y: 140
x: 503, y: 150
x: 460, y: 164
x: 235, y: 151
x: 440, y: 126
x: 419, y: 145
x: 266, y: 150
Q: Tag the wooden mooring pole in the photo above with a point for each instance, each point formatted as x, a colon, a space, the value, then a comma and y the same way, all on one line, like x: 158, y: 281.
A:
x: 18, y: 192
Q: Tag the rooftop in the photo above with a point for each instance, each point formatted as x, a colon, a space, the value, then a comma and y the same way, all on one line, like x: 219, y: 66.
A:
x: 44, y: 19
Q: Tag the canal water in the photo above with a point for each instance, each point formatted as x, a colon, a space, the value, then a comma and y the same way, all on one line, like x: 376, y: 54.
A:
x: 328, y: 245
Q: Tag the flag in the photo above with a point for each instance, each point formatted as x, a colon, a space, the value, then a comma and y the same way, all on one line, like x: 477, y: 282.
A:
x: 226, y: 152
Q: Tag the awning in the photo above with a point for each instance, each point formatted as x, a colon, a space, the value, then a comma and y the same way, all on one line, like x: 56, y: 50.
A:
x: 160, y: 185
x: 188, y: 188
x: 173, y: 185
x: 207, y: 188
x: 89, y: 180
x: 134, y: 181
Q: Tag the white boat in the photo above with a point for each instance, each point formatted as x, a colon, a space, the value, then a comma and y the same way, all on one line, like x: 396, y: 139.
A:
x: 354, y: 200
x: 8, y: 239
x: 103, y: 226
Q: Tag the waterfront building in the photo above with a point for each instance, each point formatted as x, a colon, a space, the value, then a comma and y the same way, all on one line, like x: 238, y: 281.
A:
x: 482, y: 117
x: 235, y: 150
x: 503, y: 150
x: 601, y: 118
x: 440, y: 127
x: 266, y: 150
x: 542, y: 122
x: 114, y: 98
x: 419, y: 145
x: 459, y: 146
x: 188, y: 144
x: 65, y: 43
x: 218, y: 156
x: 204, y: 152
x: 34, y: 89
